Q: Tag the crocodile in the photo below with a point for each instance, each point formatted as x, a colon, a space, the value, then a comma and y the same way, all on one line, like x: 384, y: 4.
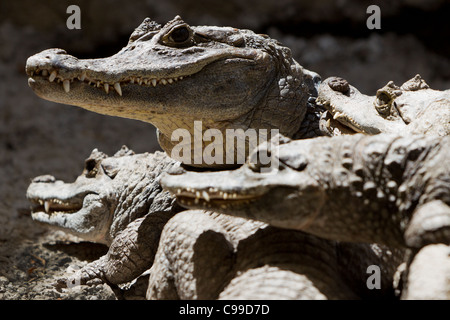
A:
x: 176, y: 74
x: 159, y: 250
x: 387, y: 189
x: 412, y: 108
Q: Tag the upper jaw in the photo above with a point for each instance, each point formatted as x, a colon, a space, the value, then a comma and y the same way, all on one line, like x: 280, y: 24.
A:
x: 52, y: 196
x: 223, y: 189
x: 54, y: 66
x: 147, y: 68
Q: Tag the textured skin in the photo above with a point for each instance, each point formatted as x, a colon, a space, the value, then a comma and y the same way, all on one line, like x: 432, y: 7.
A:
x: 225, y: 77
x: 119, y: 200
x: 199, y: 255
x: 383, y: 189
x: 412, y: 108
x: 204, y: 255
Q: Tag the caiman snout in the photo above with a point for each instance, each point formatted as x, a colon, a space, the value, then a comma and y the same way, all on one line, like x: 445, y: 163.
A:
x: 43, y: 60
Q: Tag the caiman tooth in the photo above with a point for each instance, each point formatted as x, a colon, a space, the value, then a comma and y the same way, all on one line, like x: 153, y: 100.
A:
x: 328, y: 123
x: 106, y: 87
x: 44, y: 73
x: 66, y: 85
x: 118, y: 88
x: 83, y: 76
x: 205, y: 195
x: 337, y: 115
x: 139, y: 81
x: 47, y: 206
x: 52, y: 76
x: 146, y: 81
x: 154, y: 82
x: 170, y: 81
x: 164, y: 81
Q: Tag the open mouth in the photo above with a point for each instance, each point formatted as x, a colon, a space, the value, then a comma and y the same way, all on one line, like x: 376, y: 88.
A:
x: 55, y: 206
x: 337, y: 123
x: 51, y: 75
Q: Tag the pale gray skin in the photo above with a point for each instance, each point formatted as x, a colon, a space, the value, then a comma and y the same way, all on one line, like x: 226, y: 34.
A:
x: 205, y: 255
x: 412, y: 108
x: 387, y: 189
x: 199, y: 255
x: 428, y: 274
x: 114, y: 201
x: 174, y: 75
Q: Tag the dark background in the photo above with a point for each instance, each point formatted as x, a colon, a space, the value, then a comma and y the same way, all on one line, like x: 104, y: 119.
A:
x: 39, y: 137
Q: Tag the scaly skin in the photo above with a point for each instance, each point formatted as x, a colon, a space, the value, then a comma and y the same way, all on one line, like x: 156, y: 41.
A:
x: 114, y: 201
x: 412, y: 108
x: 205, y: 255
x: 174, y: 75
x: 118, y: 201
x: 383, y: 189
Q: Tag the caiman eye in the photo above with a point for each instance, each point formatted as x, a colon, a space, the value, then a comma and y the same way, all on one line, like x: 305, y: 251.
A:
x: 180, y: 35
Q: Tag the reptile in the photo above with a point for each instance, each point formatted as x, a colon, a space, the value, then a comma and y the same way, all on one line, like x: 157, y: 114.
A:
x: 157, y: 246
x: 412, y: 108
x: 388, y: 189
x: 227, y: 79
x: 173, y: 75
x: 112, y: 199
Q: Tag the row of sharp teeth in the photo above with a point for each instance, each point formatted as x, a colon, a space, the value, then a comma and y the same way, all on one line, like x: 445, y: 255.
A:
x: 342, y: 118
x: 52, y: 76
x: 47, y: 203
x: 206, y: 196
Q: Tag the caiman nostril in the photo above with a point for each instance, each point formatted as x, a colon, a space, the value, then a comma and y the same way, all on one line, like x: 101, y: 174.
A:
x: 44, y: 179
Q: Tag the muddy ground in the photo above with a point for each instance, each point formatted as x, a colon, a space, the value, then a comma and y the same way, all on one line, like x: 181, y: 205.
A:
x: 40, y: 137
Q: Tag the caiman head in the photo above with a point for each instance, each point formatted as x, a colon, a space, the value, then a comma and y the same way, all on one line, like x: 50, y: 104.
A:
x: 410, y: 108
x: 273, y: 187
x: 176, y: 74
x: 109, y: 194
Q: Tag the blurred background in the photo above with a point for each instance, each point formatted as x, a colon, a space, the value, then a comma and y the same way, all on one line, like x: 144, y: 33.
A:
x: 327, y: 36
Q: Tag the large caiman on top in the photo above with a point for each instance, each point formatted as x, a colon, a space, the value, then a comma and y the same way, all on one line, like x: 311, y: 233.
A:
x: 173, y: 75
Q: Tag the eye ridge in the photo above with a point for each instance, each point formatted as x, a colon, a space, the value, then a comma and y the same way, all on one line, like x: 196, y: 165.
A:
x: 180, y: 34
